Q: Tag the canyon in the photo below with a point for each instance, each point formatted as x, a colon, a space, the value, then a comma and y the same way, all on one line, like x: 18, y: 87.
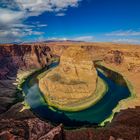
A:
x: 18, y: 61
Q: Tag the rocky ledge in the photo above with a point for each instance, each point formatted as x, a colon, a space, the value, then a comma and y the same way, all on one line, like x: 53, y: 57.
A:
x: 25, y: 126
x: 32, y: 129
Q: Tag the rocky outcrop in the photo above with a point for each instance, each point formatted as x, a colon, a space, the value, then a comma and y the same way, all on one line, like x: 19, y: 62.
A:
x: 129, y: 59
x: 54, y: 134
x: 14, y: 57
x: 15, y: 112
x: 23, y: 125
x: 31, y: 129
x: 114, y: 56
x: 125, y: 126
x: 73, y: 80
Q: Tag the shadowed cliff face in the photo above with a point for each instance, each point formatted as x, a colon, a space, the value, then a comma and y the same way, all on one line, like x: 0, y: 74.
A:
x: 14, y: 57
x: 29, y: 129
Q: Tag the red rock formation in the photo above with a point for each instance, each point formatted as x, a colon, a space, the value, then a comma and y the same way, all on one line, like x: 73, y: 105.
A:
x: 125, y: 126
x: 114, y: 56
x: 13, y: 57
x: 31, y: 129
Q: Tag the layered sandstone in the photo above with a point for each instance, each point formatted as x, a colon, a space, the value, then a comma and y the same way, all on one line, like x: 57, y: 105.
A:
x: 17, y: 61
x: 24, y: 56
x: 72, y: 81
x: 29, y: 129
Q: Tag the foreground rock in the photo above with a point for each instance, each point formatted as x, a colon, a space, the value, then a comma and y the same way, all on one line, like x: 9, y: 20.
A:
x: 31, y: 129
x: 125, y: 126
x: 72, y: 81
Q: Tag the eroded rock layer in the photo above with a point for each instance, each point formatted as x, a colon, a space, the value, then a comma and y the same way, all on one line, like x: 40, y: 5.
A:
x: 16, y: 61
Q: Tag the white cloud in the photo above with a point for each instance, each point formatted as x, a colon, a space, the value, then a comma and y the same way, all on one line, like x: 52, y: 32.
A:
x: 25, y: 8
x: 60, y: 14
x: 126, y: 40
x: 42, y: 25
x: 9, y: 16
x: 84, y: 38
x: 57, y: 38
x: 78, y: 38
x: 15, y: 34
x: 13, y: 13
x: 124, y: 33
x: 36, y: 7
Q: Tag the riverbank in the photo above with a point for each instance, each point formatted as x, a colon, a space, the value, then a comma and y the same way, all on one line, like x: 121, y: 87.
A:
x: 95, y: 113
x: 83, y: 103
x: 122, y: 80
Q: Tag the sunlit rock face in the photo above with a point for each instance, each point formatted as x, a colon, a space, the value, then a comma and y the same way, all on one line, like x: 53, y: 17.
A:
x: 73, y: 80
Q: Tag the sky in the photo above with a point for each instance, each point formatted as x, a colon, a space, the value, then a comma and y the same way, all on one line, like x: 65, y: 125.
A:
x: 79, y: 20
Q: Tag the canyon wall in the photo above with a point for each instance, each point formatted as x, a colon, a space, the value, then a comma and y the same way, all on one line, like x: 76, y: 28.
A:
x: 17, y: 124
x: 14, y: 57
x: 15, y: 60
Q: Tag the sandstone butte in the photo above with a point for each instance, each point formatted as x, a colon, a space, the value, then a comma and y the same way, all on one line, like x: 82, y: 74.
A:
x: 73, y: 81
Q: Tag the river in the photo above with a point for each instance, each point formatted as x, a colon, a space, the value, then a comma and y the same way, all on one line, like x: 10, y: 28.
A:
x: 93, y: 115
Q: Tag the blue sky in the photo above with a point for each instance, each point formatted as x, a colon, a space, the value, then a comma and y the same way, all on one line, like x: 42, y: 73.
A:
x: 86, y: 20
